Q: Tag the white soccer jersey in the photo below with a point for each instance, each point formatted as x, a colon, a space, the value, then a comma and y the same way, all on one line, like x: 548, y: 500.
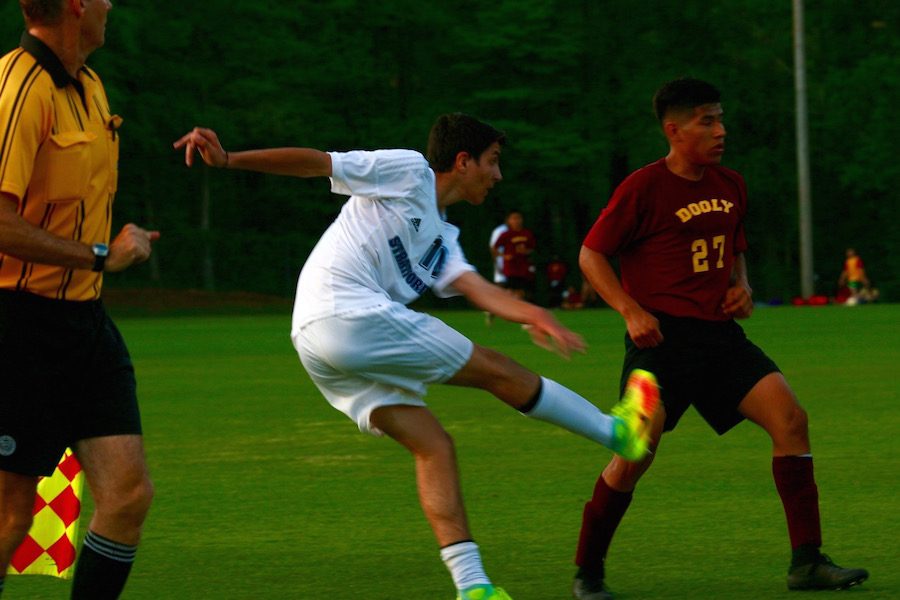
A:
x: 389, y: 243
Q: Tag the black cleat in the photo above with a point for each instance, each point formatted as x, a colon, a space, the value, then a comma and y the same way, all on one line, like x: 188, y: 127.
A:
x: 586, y: 587
x: 822, y: 574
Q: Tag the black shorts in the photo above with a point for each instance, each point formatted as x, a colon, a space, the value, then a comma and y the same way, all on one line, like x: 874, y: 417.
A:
x: 710, y: 364
x: 65, y: 374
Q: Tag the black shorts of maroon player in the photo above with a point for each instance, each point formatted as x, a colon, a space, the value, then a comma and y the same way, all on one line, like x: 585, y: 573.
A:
x: 708, y: 364
x: 66, y: 376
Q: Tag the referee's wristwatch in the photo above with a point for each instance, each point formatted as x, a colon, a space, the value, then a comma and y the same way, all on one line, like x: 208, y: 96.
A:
x: 101, y: 251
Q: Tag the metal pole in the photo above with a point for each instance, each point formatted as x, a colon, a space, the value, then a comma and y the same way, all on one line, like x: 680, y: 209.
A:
x: 803, y: 180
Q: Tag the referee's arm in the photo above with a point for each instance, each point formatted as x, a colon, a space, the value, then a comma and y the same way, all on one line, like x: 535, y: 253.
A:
x: 28, y: 243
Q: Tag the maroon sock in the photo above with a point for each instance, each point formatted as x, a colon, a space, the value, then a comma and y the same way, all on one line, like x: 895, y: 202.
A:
x: 800, y: 497
x: 599, y: 522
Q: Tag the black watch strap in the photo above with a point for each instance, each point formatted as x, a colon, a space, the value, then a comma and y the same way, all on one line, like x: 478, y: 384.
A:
x: 101, y: 251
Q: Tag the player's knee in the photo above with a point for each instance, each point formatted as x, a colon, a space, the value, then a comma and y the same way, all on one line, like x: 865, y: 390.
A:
x: 443, y: 445
x: 504, y: 377
x: 129, y: 504
x: 438, y: 448
x: 796, y: 423
x: 623, y: 475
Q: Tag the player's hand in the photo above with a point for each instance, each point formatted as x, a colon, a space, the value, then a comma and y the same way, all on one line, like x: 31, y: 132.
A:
x: 738, y: 301
x: 206, y: 142
x: 549, y: 334
x: 643, y: 329
x: 131, y: 246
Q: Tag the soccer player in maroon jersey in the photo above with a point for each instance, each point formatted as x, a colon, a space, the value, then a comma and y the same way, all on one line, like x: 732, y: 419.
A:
x: 676, y: 226
x: 518, y: 245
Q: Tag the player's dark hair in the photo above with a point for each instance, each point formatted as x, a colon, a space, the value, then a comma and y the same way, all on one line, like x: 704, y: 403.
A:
x: 45, y: 12
x: 454, y: 133
x: 683, y: 94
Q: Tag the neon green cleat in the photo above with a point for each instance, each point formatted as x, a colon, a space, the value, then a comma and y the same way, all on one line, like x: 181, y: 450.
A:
x: 633, y: 415
x: 483, y: 592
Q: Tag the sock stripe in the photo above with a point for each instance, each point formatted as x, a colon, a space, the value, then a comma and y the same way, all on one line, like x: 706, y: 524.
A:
x: 110, y: 549
x: 459, y: 542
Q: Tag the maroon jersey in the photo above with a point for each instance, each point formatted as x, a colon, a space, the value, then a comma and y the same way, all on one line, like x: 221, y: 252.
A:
x: 517, y: 247
x: 676, y: 239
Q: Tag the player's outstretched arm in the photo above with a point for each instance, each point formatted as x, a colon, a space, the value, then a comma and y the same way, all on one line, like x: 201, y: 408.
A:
x: 540, y: 324
x: 296, y: 162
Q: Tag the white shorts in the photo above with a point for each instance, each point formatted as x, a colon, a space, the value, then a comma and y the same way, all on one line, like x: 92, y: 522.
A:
x: 383, y: 356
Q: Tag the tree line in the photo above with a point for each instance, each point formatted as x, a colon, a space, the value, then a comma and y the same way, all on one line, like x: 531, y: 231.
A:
x: 569, y: 81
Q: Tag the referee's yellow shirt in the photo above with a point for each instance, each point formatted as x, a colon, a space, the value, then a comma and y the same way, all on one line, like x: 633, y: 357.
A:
x: 59, y: 149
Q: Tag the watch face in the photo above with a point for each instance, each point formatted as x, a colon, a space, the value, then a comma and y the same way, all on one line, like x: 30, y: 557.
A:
x: 100, y: 249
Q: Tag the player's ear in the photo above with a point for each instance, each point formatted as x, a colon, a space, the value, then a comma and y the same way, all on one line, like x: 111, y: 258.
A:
x: 76, y: 7
x: 670, y: 128
x: 462, y: 161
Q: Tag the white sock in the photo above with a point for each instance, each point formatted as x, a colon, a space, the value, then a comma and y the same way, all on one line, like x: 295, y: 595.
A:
x: 561, y: 406
x: 464, y: 563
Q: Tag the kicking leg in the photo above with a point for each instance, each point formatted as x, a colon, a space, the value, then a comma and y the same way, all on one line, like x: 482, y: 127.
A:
x: 547, y: 400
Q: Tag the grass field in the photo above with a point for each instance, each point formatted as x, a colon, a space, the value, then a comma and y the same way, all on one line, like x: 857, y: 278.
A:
x: 265, y: 492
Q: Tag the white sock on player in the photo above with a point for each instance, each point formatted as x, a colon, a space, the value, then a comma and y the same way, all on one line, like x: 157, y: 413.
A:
x: 464, y: 563
x: 561, y: 406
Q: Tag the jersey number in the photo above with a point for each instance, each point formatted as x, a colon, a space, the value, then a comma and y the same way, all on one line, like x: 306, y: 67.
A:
x: 434, y: 258
x: 700, y: 251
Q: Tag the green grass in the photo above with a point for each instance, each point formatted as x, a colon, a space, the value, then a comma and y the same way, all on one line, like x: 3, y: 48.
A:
x: 265, y: 492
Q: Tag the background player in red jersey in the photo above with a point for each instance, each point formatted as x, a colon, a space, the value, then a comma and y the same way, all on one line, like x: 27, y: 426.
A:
x: 677, y: 227
x: 518, y: 245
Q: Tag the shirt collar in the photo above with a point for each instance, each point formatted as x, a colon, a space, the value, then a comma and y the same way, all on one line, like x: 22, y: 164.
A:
x: 47, y: 59
x: 51, y: 63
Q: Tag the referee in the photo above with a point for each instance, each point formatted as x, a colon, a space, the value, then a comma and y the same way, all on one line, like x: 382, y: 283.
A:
x: 67, y: 378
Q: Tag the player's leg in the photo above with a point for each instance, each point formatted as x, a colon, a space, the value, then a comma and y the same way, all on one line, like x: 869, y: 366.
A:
x: 437, y: 480
x: 16, y: 505
x: 604, y: 511
x: 772, y: 405
x: 116, y: 473
x: 538, y: 397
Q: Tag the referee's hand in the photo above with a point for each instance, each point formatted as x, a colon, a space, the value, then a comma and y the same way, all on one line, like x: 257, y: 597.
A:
x: 130, y: 247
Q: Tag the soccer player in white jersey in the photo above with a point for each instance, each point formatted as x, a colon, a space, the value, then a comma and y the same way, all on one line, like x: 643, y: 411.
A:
x: 372, y: 357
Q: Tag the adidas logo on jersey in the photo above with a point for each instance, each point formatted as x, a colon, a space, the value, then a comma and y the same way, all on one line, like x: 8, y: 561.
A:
x: 416, y: 223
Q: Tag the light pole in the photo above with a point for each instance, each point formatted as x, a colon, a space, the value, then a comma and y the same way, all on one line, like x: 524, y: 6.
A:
x: 803, y: 182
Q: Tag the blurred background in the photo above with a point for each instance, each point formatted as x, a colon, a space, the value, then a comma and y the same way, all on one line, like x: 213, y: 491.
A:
x: 570, y: 81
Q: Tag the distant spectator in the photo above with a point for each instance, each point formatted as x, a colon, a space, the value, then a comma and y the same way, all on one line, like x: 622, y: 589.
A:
x: 572, y: 299
x: 854, y: 277
x: 518, y: 245
x: 557, y: 269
